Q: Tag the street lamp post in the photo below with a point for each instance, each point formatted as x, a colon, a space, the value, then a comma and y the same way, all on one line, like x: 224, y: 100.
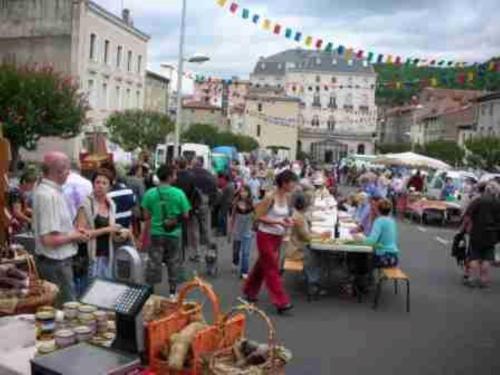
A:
x: 180, y: 73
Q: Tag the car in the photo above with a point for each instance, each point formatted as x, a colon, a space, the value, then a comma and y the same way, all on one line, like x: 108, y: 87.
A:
x: 436, y: 182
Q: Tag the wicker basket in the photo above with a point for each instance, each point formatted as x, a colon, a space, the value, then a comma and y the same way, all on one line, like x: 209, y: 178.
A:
x: 223, y: 361
x: 41, y: 292
x: 206, y: 341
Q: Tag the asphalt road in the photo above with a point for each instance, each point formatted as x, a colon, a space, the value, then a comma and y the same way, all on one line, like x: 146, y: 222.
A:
x: 451, y: 329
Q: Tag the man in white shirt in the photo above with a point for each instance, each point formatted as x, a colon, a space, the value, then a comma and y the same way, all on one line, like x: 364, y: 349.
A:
x: 55, y: 236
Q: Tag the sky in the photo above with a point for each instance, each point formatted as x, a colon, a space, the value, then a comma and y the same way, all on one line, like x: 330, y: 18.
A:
x: 462, y: 30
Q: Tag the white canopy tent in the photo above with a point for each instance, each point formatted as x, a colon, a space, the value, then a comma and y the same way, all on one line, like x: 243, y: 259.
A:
x: 411, y: 159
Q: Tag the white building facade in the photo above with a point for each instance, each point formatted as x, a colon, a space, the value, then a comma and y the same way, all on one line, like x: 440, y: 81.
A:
x: 338, y: 99
x: 105, y: 53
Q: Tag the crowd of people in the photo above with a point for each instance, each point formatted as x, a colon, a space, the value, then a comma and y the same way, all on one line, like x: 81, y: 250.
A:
x: 172, y: 215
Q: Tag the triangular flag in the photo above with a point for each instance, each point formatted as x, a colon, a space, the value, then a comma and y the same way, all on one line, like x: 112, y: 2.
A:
x: 470, y: 76
x: 277, y: 29
x: 233, y: 8
x: 288, y: 33
x: 319, y: 43
x: 309, y: 41
x: 245, y: 13
x: 440, y: 63
x: 329, y: 47
x: 255, y: 18
x: 408, y: 61
x: 340, y: 50
x: 359, y: 54
x: 369, y: 58
x: 433, y: 62
x: 450, y: 63
x: 221, y: 2
x: 348, y: 54
x: 398, y: 60
x: 389, y: 59
x: 266, y: 25
x: 298, y: 36
x: 491, y: 66
x: 380, y: 58
x: 416, y: 61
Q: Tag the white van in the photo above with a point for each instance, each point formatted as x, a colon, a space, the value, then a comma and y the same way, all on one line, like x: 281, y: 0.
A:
x: 165, y: 153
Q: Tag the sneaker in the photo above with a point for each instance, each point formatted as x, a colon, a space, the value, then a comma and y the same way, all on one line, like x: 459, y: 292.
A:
x: 244, y: 276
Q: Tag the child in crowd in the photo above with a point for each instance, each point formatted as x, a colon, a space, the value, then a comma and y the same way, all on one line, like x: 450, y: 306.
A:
x: 242, y: 220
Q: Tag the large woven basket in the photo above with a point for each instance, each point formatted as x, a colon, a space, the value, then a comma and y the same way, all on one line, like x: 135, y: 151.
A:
x: 41, y: 292
x: 223, y: 361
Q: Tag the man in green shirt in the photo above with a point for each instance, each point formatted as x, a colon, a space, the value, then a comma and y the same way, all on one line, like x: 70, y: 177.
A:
x: 161, y: 204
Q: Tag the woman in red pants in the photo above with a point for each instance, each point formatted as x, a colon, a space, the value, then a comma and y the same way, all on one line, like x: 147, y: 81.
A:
x: 273, y: 215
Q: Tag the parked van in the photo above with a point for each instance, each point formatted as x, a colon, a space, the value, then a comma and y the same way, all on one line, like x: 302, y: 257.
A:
x: 436, y: 182
x: 165, y: 153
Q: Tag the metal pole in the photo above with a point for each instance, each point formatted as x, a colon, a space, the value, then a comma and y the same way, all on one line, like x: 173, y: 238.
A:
x: 180, y: 72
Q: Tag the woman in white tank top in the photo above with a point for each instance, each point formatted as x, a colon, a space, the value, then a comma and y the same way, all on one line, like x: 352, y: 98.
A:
x: 274, y: 219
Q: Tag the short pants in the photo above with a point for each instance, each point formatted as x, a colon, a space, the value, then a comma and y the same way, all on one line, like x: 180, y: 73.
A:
x: 486, y: 254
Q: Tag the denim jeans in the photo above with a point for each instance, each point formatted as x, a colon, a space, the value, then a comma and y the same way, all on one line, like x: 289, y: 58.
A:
x: 101, y: 268
x: 59, y: 272
x: 312, y: 266
x: 241, y: 252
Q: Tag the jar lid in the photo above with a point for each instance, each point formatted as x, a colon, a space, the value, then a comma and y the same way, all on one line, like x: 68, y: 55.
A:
x: 64, y: 333
x: 71, y: 305
x: 45, y: 315
x: 46, y: 347
x: 82, y: 330
x: 87, y: 309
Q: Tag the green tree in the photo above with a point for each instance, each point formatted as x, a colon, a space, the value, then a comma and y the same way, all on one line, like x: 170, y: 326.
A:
x: 447, y: 151
x: 212, y: 137
x: 484, y: 152
x: 36, y: 103
x: 391, y: 148
x: 133, y: 129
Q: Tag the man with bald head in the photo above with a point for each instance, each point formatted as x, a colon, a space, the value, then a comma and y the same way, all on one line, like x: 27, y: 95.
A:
x: 55, y: 236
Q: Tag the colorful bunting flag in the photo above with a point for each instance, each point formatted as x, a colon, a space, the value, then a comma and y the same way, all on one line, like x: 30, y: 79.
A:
x: 277, y: 29
x: 359, y: 54
x: 233, y: 8
x: 266, y: 25
x: 245, y: 13
x: 450, y: 63
x: 441, y: 63
x: 288, y: 33
x: 255, y: 18
x: 340, y: 50
x: 298, y: 36
x: 348, y: 54
x: 389, y: 59
x: 319, y: 43
x: 309, y: 41
x: 434, y: 82
x: 221, y: 2
x: 416, y: 61
x: 470, y: 76
x: 369, y: 58
x: 408, y: 61
x: 433, y: 62
x: 491, y: 66
x: 380, y: 59
x: 398, y: 60
x: 329, y: 47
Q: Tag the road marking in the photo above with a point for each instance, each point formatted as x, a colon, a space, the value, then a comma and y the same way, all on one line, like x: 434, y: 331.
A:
x: 422, y: 229
x: 442, y: 240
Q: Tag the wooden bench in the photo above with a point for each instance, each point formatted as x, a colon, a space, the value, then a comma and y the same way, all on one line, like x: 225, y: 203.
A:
x: 395, y: 274
x: 291, y: 265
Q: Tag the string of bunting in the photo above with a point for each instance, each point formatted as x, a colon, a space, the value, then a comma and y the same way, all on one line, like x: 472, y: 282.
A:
x: 348, y: 53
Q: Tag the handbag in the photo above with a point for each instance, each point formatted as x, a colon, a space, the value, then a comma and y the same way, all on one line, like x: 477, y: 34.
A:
x: 169, y: 224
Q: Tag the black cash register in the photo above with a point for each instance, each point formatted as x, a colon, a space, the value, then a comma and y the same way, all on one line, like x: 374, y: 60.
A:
x: 127, y: 301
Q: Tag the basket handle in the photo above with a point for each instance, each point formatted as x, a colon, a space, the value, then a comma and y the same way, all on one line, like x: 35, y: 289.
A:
x: 207, y: 289
x: 248, y: 308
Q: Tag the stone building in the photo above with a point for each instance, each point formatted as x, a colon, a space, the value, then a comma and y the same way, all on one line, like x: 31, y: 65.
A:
x: 79, y: 38
x: 194, y: 112
x: 272, y: 119
x: 157, y: 92
x: 488, y: 115
x: 338, y: 98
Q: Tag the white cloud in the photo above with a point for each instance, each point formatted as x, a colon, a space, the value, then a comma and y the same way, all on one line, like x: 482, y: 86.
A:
x: 455, y: 29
